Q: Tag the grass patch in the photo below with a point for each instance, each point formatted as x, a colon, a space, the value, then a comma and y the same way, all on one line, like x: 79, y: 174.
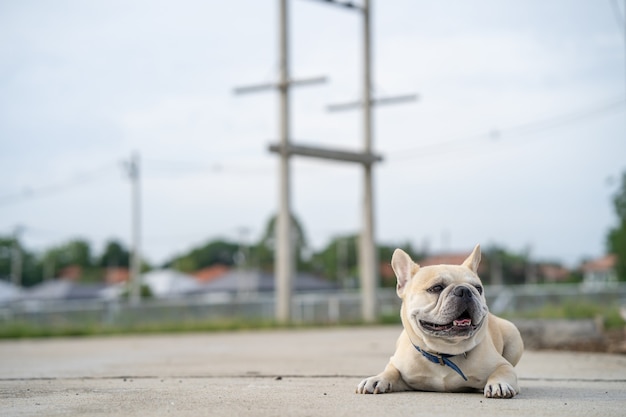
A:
x: 390, y: 319
x: 609, y: 314
x: 91, y: 326
x: 19, y: 330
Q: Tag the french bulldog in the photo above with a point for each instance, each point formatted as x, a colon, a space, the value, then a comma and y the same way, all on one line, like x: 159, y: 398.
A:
x: 450, y: 342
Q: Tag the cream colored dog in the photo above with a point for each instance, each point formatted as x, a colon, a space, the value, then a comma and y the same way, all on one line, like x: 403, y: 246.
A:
x: 450, y: 341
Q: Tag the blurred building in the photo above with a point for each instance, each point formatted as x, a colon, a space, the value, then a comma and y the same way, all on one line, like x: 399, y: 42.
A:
x: 116, y: 275
x: 600, y: 272
x: 550, y: 272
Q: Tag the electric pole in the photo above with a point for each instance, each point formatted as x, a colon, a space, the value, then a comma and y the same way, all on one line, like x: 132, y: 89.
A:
x: 368, y: 255
x: 285, y: 265
x: 16, y: 257
x: 284, y: 262
x: 132, y: 169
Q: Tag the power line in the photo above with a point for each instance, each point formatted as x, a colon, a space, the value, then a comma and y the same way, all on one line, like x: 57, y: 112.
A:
x: 52, y: 189
x: 211, y: 168
x: 87, y: 178
x: 523, y: 129
x: 133, y: 167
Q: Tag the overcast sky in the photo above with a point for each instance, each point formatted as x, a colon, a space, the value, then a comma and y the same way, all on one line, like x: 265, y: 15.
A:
x: 518, y: 137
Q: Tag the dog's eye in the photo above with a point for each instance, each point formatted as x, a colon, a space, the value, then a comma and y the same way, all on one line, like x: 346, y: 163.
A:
x: 480, y: 289
x: 435, y: 289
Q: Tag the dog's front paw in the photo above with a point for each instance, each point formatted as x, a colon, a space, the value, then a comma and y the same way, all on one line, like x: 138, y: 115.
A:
x: 374, y: 385
x: 500, y: 390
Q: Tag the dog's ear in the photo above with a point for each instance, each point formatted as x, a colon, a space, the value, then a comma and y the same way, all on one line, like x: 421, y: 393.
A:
x: 404, y: 268
x: 473, y: 260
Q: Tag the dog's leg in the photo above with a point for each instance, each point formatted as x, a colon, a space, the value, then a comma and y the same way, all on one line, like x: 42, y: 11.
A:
x: 502, y: 383
x: 513, y: 345
x: 388, y: 380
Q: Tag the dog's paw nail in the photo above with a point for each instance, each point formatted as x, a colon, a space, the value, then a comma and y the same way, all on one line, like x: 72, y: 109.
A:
x: 373, y: 386
x: 365, y: 387
x: 382, y: 387
x: 501, y: 390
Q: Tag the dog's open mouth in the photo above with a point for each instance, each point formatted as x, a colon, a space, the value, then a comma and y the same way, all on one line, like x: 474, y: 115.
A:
x: 461, y: 324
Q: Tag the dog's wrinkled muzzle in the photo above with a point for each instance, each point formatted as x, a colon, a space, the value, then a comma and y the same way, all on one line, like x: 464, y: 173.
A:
x: 464, y: 314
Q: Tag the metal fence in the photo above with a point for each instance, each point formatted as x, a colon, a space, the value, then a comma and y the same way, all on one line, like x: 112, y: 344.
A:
x: 328, y: 307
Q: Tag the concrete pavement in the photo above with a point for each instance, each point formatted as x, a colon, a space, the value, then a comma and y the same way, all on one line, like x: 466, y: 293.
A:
x: 310, y: 372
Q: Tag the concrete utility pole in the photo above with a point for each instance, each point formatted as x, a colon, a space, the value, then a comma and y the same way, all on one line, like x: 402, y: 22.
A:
x: 285, y: 268
x: 284, y: 262
x: 16, y: 258
x: 368, y: 256
x: 132, y: 168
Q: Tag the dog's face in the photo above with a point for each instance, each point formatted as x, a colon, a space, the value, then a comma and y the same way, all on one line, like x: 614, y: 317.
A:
x: 443, y: 306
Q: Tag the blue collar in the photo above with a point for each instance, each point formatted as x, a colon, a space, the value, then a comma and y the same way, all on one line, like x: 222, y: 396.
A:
x: 442, y: 359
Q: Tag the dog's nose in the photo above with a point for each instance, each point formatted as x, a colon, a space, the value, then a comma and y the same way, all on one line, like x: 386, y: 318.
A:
x: 462, y: 292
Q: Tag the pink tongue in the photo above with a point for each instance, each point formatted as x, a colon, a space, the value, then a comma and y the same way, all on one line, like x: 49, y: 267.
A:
x: 462, y: 322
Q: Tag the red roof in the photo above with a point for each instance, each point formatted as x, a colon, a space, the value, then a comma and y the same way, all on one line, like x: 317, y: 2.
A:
x: 71, y: 273
x: 116, y: 275
x: 605, y: 263
x: 211, y: 272
x: 553, y: 273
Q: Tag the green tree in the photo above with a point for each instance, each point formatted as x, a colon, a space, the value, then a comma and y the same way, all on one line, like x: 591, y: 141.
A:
x: 74, y: 252
x: 214, y: 252
x: 503, y: 265
x: 338, y: 261
x: 30, y: 269
x: 6, y: 247
x: 115, y: 255
x: 264, y: 250
x: 385, y: 253
x: 616, y: 239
